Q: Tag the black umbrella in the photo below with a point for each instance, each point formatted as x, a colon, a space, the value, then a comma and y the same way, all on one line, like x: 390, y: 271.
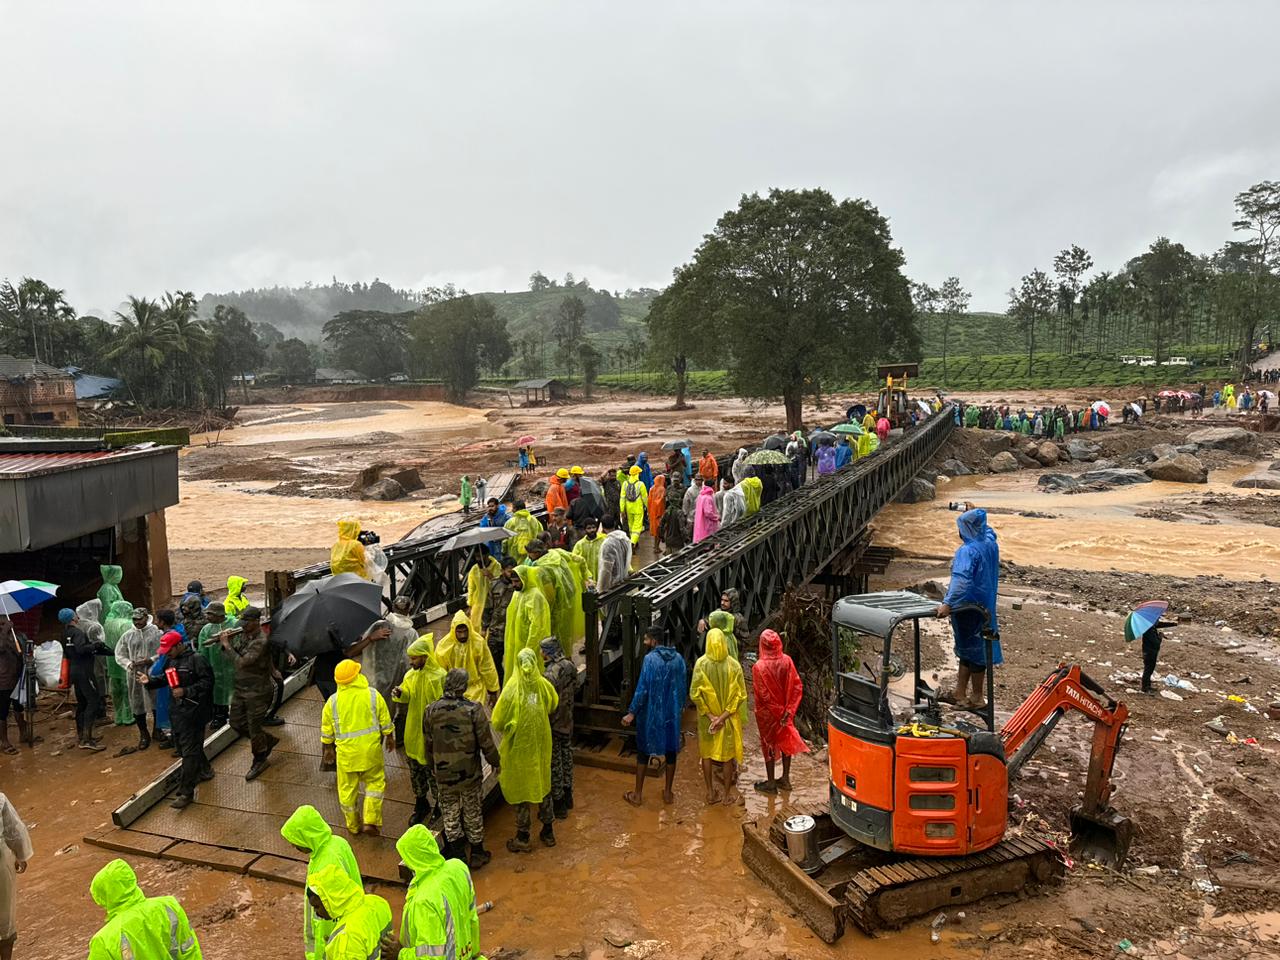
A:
x: 338, y: 607
x: 676, y: 445
x: 469, y: 538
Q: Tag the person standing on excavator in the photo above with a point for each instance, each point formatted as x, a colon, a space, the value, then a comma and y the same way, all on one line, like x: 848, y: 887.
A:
x: 975, y: 574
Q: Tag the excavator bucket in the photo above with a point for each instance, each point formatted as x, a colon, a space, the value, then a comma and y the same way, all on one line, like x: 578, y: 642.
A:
x: 1100, y: 837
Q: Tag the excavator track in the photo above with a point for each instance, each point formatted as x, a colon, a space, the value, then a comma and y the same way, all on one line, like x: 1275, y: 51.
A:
x: 876, y: 891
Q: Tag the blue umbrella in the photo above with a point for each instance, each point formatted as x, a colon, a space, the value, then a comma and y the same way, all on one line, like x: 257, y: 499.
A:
x: 19, y: 595
x: 1143, y: 618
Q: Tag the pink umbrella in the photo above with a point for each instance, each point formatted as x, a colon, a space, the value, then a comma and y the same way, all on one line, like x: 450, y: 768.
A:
x: 526, y: 440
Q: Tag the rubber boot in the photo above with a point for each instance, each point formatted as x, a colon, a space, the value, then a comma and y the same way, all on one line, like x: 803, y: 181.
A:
x: 519, y: 843
x: 160, y: 737
x: 568, y: 798
x: 421, y: 809
x: 548, y: 835
x: 560, y: 807
x: 479, y: 856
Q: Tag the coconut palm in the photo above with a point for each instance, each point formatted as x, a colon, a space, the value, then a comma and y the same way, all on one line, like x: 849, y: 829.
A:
x: 143, y: 343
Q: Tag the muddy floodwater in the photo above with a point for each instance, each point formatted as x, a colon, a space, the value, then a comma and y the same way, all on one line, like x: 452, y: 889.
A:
x: 1098, y: 531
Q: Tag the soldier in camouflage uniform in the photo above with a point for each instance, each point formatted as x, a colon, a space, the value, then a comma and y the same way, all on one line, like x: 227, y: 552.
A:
x: 562, y: 675
x: 494, y: 619
x: 456, y: 732
x: 253, y: 688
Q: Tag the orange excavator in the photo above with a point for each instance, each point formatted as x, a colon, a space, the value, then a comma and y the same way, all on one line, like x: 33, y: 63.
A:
x: 919, y: 803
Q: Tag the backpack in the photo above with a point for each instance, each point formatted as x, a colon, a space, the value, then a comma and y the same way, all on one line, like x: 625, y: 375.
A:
x: 632, y: 492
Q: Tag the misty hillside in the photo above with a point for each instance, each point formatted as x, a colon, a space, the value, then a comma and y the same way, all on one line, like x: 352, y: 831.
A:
x: 303, y: 311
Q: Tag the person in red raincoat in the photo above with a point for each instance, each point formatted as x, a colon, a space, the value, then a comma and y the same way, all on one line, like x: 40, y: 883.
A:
x: 882, y: 428
x: 778, y: 691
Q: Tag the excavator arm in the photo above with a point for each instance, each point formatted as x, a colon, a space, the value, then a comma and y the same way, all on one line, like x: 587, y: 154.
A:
x: 1097, y: 832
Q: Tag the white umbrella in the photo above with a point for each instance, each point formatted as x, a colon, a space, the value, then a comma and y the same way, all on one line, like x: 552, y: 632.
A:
x: 1102, y: 407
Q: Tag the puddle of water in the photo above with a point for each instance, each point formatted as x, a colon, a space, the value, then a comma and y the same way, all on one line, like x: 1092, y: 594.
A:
x: 425, y: 420
x: 1100, y: 529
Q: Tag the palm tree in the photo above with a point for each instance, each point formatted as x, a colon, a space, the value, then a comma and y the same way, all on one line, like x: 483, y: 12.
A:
x: 143, y: 344
x: 190, y: 341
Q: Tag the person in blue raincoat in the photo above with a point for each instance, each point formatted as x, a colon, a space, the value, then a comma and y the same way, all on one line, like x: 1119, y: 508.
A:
x: 688, y: 465
x: 975, y: 573
x: 656, y: 710
x: 646, y: 471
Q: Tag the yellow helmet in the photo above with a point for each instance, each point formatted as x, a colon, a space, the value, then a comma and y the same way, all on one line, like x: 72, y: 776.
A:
x: 577, y: 471
x: 346, y: 671
x: 634, y: 471
x: 562, y: 473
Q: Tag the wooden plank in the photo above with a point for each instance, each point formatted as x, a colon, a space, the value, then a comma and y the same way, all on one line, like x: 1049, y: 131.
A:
x: 268, y: 867
x: 131, y: 841
x: 216, y: 858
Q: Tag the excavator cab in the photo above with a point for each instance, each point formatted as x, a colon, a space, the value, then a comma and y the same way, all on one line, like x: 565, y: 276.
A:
x: 902, y: 780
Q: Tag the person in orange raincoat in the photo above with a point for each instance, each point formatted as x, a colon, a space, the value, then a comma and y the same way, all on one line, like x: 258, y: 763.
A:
x: 657, y: 504
x: 708, y: 469
x: 557, y: 496
x: 778, y: 691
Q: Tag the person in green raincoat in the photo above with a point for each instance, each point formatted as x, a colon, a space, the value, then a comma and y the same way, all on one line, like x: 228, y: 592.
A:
x: 360, y: 920
x: 752, y: 488
x: 560, y: 587
x: 719, y: 691
x: 439, y: 906
x: 524, y: 528
x: 528, y: 616
x: 864, y: 443
x: 578, y: 625
x: 423, y: 685
x: 138, y: 927
x: 235, y: 602
x: 522, y: 718
x: 109, y: 592
x: 307, y: 831
x: 119, y: 621
x: 971, y: 414
x: 224, y: 670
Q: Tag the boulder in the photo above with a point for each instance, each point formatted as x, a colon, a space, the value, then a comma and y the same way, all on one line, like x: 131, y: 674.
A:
x: 1113, y: 477
x: 1083, y: 450
x: 1047, y: 453
x: 1259, y: 481
x: 954, y: 468
x: 1026, y: 460
x: 1275, y: 465
x: 929, y: 475
x: 1162, y: 450
x: 1231, y: 439
x: 384, y: 489
x: 539, y: 489
x: 408, y: 478
x: 1058, y: 483
x: 1003, y: 462
x: 1179, y: 468
x: 918, y: 490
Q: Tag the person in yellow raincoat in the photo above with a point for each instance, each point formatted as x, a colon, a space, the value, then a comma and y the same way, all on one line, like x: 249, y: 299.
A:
x: 236, y: 603
x: 578, y: 625
x: 588, y: 548
x: 528, y: 616
x: 423, y: 684
x: 864, y: 447
x: 718, y: 690
x: 479, y: 579
x: 753, y: 492
x: 360, y: 920
x: 523, y: 719
x: 347, y: 555
x: 869, y: 422
x: 523, y: 527
x: 1229, y: 396
x: 353, y: 727
x: 306, y: 831
x: 559, y: 575
x: 632, y: 502
x: 439, y: 906
x: 468, y: 651
x: 138, y: 926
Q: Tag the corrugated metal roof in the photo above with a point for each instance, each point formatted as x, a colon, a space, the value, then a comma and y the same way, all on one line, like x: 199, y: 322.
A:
x: 28, y: 463
x: 18, y: 368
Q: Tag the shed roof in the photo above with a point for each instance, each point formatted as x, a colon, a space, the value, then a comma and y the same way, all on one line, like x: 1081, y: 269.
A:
x: 24, y: 368
x: 537, y: 384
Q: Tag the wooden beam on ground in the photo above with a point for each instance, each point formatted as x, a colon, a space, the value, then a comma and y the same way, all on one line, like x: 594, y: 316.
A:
x: 151, y: 794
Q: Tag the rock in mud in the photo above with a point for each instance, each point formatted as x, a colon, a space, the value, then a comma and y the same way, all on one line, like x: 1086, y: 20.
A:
x: 1003, y: 462
x: 1047, y: 453
x: 1259, y: 481
x: 1179, y: 468
x: 408, y: 478
x: 384, y: 489
x: 1162, y: 450
x: 1083, y: 450
x: 918, y: 490
x: 954, y: 468
x: 1026, y: 460
x: 1113, y: 477
x: 539, y: 489
x: 1275, y: 465
x: 1058, y: 482
x: 1231, y: 439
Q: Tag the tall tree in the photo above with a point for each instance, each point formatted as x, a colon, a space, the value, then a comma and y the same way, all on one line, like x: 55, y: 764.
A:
x: 953, y: 299
x: 292, y: 359
x: 680, y: 331
x: 800, y: 288
x: 1031, y: 305
x: 925, y: 300
x: 1071, y: 265
x: 1161, y: 278
x: 143, y: 343
x: 235, y: 351
x: 454, y: 340
x: 1258, y: 213
x: 568, y: 329
x: 372, y: 342
x: 538, y: 281
x: 590, y: 358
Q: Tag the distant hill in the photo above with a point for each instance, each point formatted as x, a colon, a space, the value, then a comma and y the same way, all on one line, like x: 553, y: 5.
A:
x: 303, y: 311
x: 972, y: 334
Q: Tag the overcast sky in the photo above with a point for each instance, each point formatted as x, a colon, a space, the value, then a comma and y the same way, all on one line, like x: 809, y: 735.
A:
x: 212, y: 146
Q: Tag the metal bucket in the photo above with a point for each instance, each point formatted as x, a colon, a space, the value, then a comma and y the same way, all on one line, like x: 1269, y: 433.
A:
x: 802, y: 842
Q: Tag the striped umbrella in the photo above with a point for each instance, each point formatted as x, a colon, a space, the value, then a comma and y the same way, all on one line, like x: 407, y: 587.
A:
x: 1143, y: 618
x: 19, y: 595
